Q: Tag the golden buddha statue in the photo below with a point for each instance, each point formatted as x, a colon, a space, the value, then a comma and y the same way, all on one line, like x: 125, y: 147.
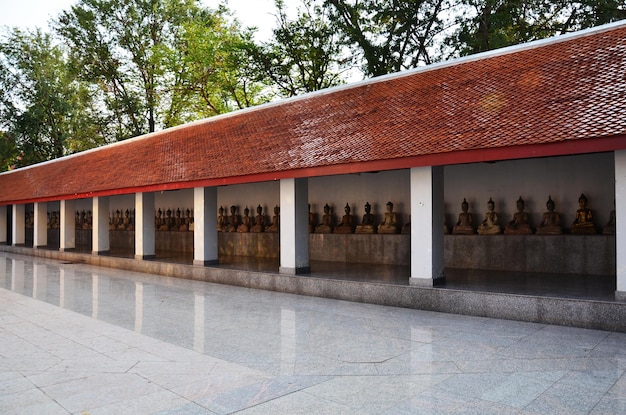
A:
x: 346, y: 225
x: 520, y: 224
x: 490, y: 225
x: 583, y: 224
x: 550, y: 221
x: 367, y: 223
x: 465, y: 224
x: 328, y: 223
x: 389, y: 224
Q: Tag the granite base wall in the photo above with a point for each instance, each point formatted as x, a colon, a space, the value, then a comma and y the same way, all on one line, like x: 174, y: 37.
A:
x: 562, y: 254
x: 591, y: 314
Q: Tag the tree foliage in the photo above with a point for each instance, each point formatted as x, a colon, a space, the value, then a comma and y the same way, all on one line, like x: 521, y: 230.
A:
x: 389, y: 35
x: 45, y: 112
x: 304, y: 54
x: 211, y: 68
x: 491, y: 24
x: 159, y: 62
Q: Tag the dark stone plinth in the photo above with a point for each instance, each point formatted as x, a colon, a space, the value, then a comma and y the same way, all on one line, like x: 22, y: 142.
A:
x: 257, y: 245
x: 564, y: 254
x: 387, y: 249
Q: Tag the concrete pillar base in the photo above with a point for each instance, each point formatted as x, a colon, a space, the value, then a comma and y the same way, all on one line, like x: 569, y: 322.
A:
x: 96, y: 253
x: 620, y: 295
x: 294, y: 271
x: 205, y: 263
x: 144, y: 257
x: 426, y: 282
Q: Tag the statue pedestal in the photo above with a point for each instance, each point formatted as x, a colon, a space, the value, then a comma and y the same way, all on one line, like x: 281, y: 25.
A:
x: 558, y: 254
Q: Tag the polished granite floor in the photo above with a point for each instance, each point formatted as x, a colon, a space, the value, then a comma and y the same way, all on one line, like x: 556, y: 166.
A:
x: 79, y: 339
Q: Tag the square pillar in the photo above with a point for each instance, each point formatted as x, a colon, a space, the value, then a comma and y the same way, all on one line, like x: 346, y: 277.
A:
x: 620, y: 225
x: 67, y: 226
x: 100, y: 226
x: 3, y: 225
x: 294, y: 226
x: 205, y: 226
x: 427, y: 260
x: 40, y: 225
x: 19, y: 225
x: 144, y: 226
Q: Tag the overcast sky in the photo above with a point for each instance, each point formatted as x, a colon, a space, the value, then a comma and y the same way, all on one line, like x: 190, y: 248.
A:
x: 37, y: 13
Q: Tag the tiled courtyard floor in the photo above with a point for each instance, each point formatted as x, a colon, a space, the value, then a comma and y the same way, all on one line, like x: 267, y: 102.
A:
x: 78, y: 339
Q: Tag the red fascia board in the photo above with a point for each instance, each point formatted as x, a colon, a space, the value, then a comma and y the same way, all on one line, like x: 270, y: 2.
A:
x: 562, y: 148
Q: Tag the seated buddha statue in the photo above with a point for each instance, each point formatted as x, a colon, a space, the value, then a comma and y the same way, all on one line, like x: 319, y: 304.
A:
x: 490, y: 225
x: 609, y: 228
x: 550, y: 220
x: 234, y: 220
x: 367, y: 223
x: 128, y: 221
x: 583, y: 224
x: 465, y: 224
x: 168, y: 222
x: 186, y: 223
x: 222, y: 221
x: 328, y: 222
x: 312, y: 220
x: 259, y: 221
x: 245, y: 221
x: 275, y: 226
x: 390, y: 223
x: 346, y: 225
x: 520, y: 224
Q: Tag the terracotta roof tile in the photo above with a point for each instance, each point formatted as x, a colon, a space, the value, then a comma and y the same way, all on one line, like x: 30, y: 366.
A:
x: 566, y: 90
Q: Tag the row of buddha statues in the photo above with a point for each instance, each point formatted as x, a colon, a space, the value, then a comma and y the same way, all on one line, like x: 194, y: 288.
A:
x: 53, y: 220
x: 182, y: 220
x: 243, y: 224
x: 550, y: 224
x: 261, y: 223
x: 349, y: 224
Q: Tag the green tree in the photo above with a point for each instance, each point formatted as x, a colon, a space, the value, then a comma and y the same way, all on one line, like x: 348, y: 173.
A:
x: 159, y: 63
x: 304, y: 54
x: 45, y: 112
x: 490, y: 24
x: 389, y: 35
x: 212, y: 69
x: 120, y: 45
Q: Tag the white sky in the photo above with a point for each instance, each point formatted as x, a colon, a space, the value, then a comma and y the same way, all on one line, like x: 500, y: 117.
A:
x: 37, y: 13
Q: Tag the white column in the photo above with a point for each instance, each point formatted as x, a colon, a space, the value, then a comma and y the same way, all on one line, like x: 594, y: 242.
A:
x: 67, y: 226
x: 620, y: 225
x: 294, y: 226
x: 426, y: 225
x: 3, y: 224
x: 144, y: 226
x: 100, y: 225
x: 18, y: 225
x: 205, y: 226
x: 40, y: 225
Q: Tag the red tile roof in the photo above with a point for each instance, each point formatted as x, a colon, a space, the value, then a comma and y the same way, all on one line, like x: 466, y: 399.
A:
x: 562, y: 96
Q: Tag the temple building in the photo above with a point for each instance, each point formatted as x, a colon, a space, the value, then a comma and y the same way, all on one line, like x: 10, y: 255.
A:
x: 511, y: 161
